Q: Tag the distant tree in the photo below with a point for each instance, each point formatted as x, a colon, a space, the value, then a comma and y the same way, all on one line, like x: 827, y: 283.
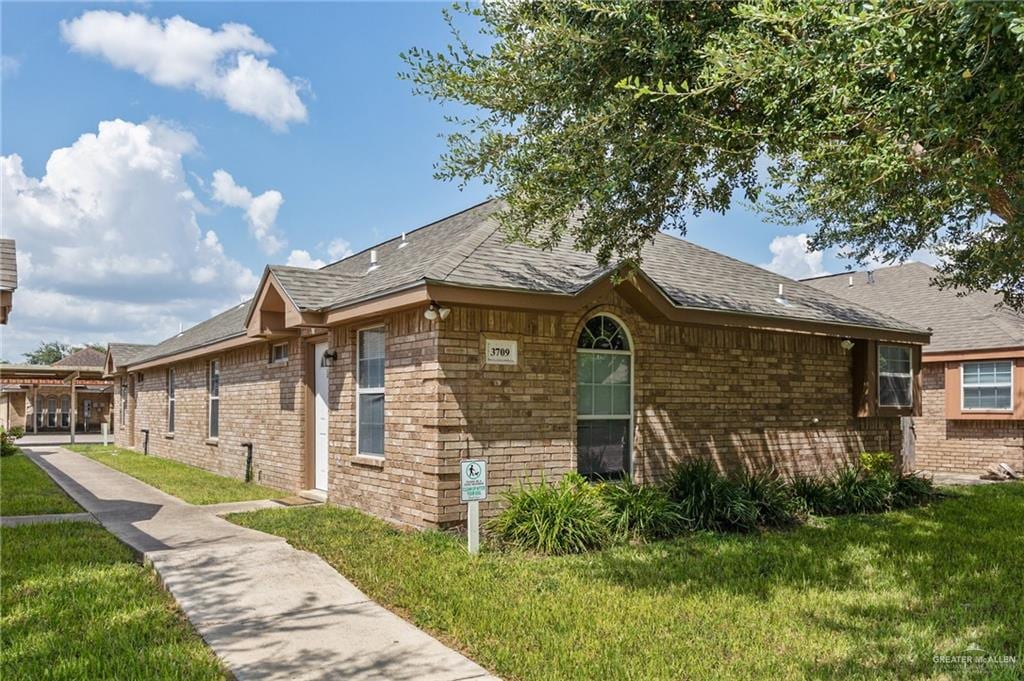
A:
x: 889, y: 127
x: 48, y: 353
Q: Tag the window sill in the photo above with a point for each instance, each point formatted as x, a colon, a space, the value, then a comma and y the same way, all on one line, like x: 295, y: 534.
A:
x: 168, y: 436
x: 281, y: 363
x: 212, y: 441
x: 368, y: 460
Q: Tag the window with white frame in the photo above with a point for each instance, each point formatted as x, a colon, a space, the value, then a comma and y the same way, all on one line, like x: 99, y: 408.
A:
x: 278, y: 353
x: 987, y: 385
x: 895, y: 376
x: 124, y: 400
x: 370, y: 392
x: 170, y: 400
x: 213, y: 397
x: 604, y: 400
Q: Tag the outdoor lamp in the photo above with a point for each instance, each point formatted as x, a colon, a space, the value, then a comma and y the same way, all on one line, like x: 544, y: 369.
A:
x: 330, y: 356
x: 847, y: 344
x: 435, y: 311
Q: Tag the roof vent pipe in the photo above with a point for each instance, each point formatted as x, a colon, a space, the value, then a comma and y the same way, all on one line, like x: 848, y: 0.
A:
x: 781, y: 299
x: 404, y: 242
x: 850, y: 283
x: 871, y: 277
x: 373, y: 260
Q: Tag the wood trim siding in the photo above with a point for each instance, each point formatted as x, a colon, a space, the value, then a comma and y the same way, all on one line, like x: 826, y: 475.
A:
x: 954, y: 410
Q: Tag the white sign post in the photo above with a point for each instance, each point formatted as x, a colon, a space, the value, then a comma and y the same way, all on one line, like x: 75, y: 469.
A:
x: 473, y: 491
x: 104, y: 427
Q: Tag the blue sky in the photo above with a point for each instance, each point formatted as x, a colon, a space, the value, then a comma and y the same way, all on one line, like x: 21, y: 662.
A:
x: 117, y: 233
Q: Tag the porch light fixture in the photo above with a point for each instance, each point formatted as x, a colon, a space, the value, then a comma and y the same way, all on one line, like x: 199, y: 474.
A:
x: 329, y: 358
x: 847, y: 344
x: 435, y: 311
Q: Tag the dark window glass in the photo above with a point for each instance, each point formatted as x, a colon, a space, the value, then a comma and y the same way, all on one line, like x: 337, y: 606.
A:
x: 371, y: 358
x: 602, y: 333
x: 602, y: 449
x: 371, y: 423
x: 215, y: 418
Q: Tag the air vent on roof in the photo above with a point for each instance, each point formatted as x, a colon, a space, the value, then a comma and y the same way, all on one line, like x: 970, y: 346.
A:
x: 781, y: 299
x: 404, y: 243
x: 850, y: 283
x: 373, y: 260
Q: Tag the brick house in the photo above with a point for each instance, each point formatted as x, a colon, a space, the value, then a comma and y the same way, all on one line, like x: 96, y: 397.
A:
x: 973, y: 368
x: 8, y: 277
x: 45, y: 398
x: 369, y: 379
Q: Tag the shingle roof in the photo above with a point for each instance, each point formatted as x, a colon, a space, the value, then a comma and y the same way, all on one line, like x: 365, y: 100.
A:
x: 227, y: 324
x: 469, y: 249
x: 85, y: 357
x: 8, y: 265
x: 969, y: 322
x: 122, y: 353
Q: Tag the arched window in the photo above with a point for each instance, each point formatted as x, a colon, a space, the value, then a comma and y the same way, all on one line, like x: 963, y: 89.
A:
x: 604, y: 399
x: 51, y: 412
x: 65, y: 411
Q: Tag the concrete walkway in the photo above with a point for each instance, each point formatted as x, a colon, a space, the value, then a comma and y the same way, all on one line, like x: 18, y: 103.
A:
x: 269, y: 611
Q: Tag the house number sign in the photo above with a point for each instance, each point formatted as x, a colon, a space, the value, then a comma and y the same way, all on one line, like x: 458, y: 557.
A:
x: 501, y: 351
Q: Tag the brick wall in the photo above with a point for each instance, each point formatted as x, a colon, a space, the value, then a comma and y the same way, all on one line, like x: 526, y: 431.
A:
x: 961, y: 446
x: 259, y: 403
x: 745, y: 399
x: 405, y: 484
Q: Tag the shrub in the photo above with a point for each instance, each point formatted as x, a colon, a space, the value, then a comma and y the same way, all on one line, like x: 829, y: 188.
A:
x: 774, y: 500
x: 641, y: 511
x: 710, y: 501
x: 570, y: 517
x: 814, y: 494
x: 7, y: 438
x: 875, y: 463
x: 853, y: 491
x: 912, y: 490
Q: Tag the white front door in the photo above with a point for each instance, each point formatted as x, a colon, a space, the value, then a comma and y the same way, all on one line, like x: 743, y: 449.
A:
x: 320, y: 417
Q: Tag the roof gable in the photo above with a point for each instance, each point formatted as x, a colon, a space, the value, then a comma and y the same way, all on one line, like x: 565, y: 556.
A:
x: 85, y: 357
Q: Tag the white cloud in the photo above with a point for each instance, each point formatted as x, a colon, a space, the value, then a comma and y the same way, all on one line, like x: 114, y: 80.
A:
x: 790, y: 258
x: 338, y: 249
x: 222, y: 64
x: 260, y: 211
x: 298, y: 258
x: 109, y: 243
x: 9, y: 66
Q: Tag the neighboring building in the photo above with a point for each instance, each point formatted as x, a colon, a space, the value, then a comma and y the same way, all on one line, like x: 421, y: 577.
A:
x: 38, y: 397
x: 973, y: 375
x: 372, y: 377
x: 8, y: 277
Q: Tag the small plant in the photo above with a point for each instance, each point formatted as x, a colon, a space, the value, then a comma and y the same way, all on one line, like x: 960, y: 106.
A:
x: 641, y: 511
x: 710, y: 501
x: 776, y: 503
x: 568, y: 517
x: 912, y: 490
x: 7, y: 439
x: 853, y: 491
x: 876, y: 463
x: 814, y: 494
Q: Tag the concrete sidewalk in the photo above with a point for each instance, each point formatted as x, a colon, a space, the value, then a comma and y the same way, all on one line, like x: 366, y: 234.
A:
x: 269, y: 611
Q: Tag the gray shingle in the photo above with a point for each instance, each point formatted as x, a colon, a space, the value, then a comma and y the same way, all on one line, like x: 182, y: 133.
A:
x: 8, y: 265
x: 84, y: 357
x: 227, y: 324
x: 969, y: 322
x: 122, y: 353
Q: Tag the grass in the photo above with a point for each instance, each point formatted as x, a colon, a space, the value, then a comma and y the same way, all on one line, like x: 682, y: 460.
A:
x: 188, y: 483
x: 26, y: 490
x: 76, y: 606
x: 852, y: 597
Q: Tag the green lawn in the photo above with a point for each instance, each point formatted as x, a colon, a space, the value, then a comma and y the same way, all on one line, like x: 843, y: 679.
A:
x: 853, y: 597
x: 76, y: 606
x: 189, y: 483
x: 26, y: 490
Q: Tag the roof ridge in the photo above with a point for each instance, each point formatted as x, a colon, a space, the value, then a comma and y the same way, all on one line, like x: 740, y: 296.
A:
x: 455, y: 257
x: 407, y: 233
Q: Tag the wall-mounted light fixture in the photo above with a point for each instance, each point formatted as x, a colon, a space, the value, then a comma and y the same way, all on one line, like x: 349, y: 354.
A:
x: 435, y: 311
x: 329, y: 358
x: 847, y: 344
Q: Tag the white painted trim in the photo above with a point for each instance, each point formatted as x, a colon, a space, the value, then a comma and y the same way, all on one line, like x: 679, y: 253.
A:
x: 632, y: 387
x: 963, y: 386
x: 172, y: 389
x: 878, y: 375
x: 210, y: 398
x: 371, y: 391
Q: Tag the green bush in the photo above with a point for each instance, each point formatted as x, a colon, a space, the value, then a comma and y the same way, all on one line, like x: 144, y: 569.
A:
x: 710, y: 501
x: 7, y: 438
x: 641, y: 511
x: 776, y: 503
x: 912, y: 490
x: 875, y: 463
x: 854, y: 491
x: 570, y: 517
x: 814, y: 494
